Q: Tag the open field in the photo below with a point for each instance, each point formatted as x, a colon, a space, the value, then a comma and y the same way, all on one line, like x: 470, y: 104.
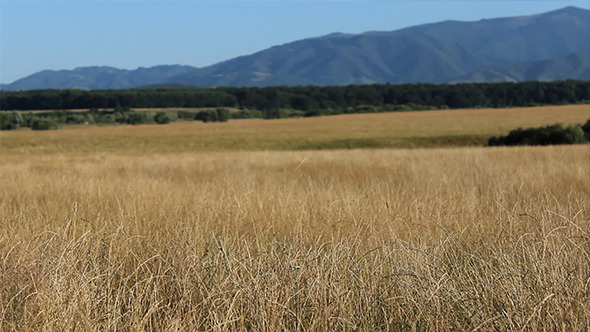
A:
x: 402, y: 129
x: 112, y: 229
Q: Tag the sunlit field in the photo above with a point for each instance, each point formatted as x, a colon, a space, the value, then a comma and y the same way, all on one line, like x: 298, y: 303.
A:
x: 194, y: 226
x: 467, y: 127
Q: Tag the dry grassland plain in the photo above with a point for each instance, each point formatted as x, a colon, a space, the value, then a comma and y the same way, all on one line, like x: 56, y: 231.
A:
x: 248, y: 226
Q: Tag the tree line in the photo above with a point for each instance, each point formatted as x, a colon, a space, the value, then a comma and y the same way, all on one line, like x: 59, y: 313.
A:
x: 275, y: 102
x: 120, y: 115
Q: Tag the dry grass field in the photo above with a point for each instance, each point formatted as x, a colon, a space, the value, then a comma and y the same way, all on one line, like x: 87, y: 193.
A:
x: 109, y: 229
x: 466, y: 127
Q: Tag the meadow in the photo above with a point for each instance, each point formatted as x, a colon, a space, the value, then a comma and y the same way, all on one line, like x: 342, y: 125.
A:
x: 265, y: 225
x: 465, y: 127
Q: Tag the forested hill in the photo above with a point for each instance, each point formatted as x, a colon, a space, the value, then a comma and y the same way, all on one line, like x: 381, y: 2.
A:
x: 548, y: 47
x: 312, y: 100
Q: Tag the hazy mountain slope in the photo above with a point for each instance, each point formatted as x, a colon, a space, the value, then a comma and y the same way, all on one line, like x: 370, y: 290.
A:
x: 574, y: 66
x: 98, y: 78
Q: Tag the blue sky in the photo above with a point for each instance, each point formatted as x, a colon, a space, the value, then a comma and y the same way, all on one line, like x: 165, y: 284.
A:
x: 60, y: 34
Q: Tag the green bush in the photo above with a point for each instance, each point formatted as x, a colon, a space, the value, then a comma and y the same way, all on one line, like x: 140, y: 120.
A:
x: 186, y: 115
x: 216, y: 115
x: 75, y: 118
x: 548, y: 135
x: 247, y: 114
x: 586, y: 129
x: 11, y: 121
x: 162, y: 118
x: 296, y: 114
x: 5, y: 122
x: 89, y: 118
x: 43, y: 124
x: 282, y: 113
x: 366, y: 109
x: 222, y: 114
x: 136, y: 118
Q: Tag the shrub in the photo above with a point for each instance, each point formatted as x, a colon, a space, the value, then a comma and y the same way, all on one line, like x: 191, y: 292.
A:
x: 162, y: 118
x: 11, y: 121
x: 586, y: 129
x: 322, y: 112
x: 103, y: 117
x: 548, y: 135
x: 75, y: 118
x: 16, y: 118
x: 136, y: 118
x: 296, y: 114
x: 120, y: 117
x: 186, y: 115
x: 43, y: 124
x: 282, y: 113
x: 222, y: 114
x: 365, y: 109
x: 207, y: 116
x: 5, y: 122
x: 88, y: 118
x: 247, y: 114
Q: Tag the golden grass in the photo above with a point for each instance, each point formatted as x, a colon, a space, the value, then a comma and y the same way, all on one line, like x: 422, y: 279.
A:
x: 181, y: 227
x: 406, y: 129
x: 399, y: 240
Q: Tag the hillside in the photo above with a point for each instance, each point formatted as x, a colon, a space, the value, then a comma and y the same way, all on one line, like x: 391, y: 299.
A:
x: 573, y: 66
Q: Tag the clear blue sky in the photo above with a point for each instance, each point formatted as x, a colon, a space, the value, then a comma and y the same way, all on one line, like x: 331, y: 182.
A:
x: 59, y: 34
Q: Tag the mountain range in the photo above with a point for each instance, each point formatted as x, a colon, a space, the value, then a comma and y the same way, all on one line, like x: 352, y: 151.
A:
x: 549, y: 46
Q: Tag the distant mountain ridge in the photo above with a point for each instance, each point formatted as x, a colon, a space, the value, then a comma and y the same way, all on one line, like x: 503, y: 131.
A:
x: 549, y: 46
x: 98, y: 77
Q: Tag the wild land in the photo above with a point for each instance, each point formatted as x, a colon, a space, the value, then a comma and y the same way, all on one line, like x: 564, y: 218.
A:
x: 390, y: 221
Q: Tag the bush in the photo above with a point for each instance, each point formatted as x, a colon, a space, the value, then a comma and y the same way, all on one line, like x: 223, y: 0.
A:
x: 11, y: 121
x: 186, y: 115
x: 103, y: 117
x: 88, y: 118
x: 365, y: 109
x: 43, y: 124
x: 296, y: 114
x: 207, y: 116
x: 282, y: 113
x: 136, y: 118
x: 216, y: 115
x: 129, y: 116
x: 586, y: 129
x: 247, y: 114
x: 162, y: 118
x: 5, y: 121
x: 222, y: 114
x: 75, y: 118
x: 548, y: 135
